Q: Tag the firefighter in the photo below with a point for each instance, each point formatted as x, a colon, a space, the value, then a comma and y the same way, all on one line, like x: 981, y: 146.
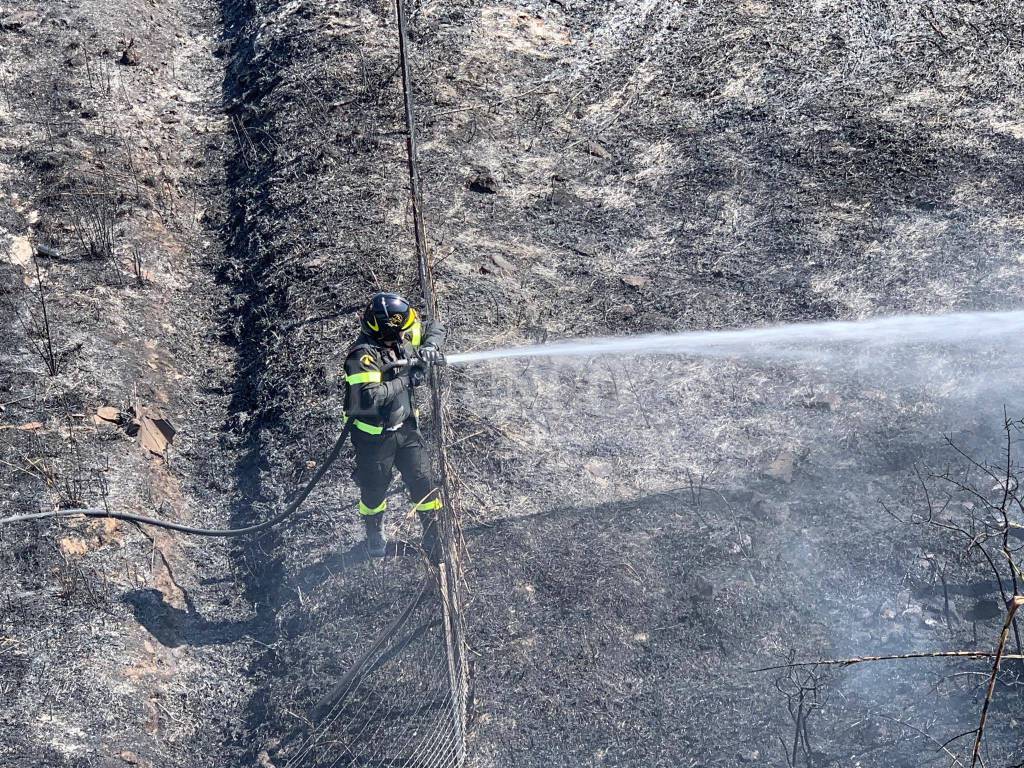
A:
x: 383, y: 368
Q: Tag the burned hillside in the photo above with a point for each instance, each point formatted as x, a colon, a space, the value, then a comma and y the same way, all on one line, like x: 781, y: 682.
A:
x: 199, y: 196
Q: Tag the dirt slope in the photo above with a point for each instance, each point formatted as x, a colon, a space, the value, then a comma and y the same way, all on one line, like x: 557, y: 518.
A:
x: 677, y: 165
x: 111, y: 157
x: 641, y: 532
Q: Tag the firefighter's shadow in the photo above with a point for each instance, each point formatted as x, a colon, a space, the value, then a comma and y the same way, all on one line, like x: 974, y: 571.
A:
x: 173, y: 627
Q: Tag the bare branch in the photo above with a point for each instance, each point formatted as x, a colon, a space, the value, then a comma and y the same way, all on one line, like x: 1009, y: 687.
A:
x: 894, y: 657
x: 1011, y: 610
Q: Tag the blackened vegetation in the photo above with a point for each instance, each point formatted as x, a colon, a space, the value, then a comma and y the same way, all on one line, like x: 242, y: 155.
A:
x: 100, y: 235
x: 975, y: 509
x: 685, y: 165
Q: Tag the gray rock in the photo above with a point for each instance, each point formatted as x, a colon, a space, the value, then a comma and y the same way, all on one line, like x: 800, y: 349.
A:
x: 483, y: 182
x: 635, y: 281
x: 18, y: 20
x: 497, y: 263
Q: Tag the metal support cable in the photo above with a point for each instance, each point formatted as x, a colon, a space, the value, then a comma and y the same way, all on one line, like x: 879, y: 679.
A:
x: 412, y: 159
x: 419, y: 231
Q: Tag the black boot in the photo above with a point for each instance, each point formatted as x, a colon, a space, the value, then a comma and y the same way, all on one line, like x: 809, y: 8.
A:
x: 431, y: 541
x: 375, y: 541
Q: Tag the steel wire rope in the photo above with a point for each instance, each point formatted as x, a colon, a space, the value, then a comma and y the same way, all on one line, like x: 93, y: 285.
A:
x: 440, y: 670
x: 434, y: 726
x: 407, y: 640
x: 351, y: 744
x: 356, y: 673
x: 440, y: 728
x: 324, y: 736
x: 430, y: 300
x: 442, y: 723
x: 337, y: 711
x: 430, y: 746
x: 356, y: 739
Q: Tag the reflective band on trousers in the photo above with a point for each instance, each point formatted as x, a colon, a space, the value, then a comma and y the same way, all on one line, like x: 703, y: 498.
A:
x: 367, y: 511
x: 363, y: 378
x: 429, y: 506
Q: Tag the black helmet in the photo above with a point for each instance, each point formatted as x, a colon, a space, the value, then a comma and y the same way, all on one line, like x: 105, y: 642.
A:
x: 386, y: 316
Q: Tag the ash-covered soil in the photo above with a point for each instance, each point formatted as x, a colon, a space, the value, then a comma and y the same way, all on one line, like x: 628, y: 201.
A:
x: 118, y: 646
x: 643, y: 167
x: 641, y: 533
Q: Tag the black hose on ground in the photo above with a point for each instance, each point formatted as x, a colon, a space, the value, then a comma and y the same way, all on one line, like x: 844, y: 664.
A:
x: 192, y: 530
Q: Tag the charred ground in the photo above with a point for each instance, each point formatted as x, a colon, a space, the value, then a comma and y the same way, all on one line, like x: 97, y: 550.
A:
x: 640, y: 534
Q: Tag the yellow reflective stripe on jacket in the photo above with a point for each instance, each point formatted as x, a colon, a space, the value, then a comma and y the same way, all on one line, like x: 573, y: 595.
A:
x: 428, y: 506
x: 416, y: 333
x: 369, y: 429
x: 365, y: 510
x: 364, y: 377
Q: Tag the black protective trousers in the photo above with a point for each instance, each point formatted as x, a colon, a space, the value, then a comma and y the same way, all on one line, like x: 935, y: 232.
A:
x: 376, y: 459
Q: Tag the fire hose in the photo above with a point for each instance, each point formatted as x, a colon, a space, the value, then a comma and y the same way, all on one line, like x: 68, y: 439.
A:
x: 283, y: 515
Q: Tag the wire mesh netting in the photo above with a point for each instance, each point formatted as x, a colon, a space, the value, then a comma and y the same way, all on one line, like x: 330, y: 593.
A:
x: 404, y: 701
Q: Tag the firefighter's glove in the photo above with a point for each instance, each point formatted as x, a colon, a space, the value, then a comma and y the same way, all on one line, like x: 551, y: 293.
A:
x: 431, y: 355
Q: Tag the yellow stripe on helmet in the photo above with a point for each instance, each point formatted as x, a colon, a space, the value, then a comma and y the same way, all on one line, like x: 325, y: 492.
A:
x: 411, y: 320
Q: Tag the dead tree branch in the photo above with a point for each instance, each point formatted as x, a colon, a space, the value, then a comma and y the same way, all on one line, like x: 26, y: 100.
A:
x: 892, y: 657
x: 1011, y: 610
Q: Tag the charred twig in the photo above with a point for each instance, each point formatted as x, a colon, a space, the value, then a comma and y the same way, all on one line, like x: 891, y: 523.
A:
x: 988, y: 523
x: 93, y: 226
x: 41, y: 331
x: 941, y: 575
x: 137, y: 264
x: 892, y: 657
x: 1011, y: 611
x: 43, y: 327
x: 910, y: 726
x: 802, y: 689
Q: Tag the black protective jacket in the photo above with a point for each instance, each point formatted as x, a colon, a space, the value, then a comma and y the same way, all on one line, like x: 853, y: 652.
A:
x: 378, y: 400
